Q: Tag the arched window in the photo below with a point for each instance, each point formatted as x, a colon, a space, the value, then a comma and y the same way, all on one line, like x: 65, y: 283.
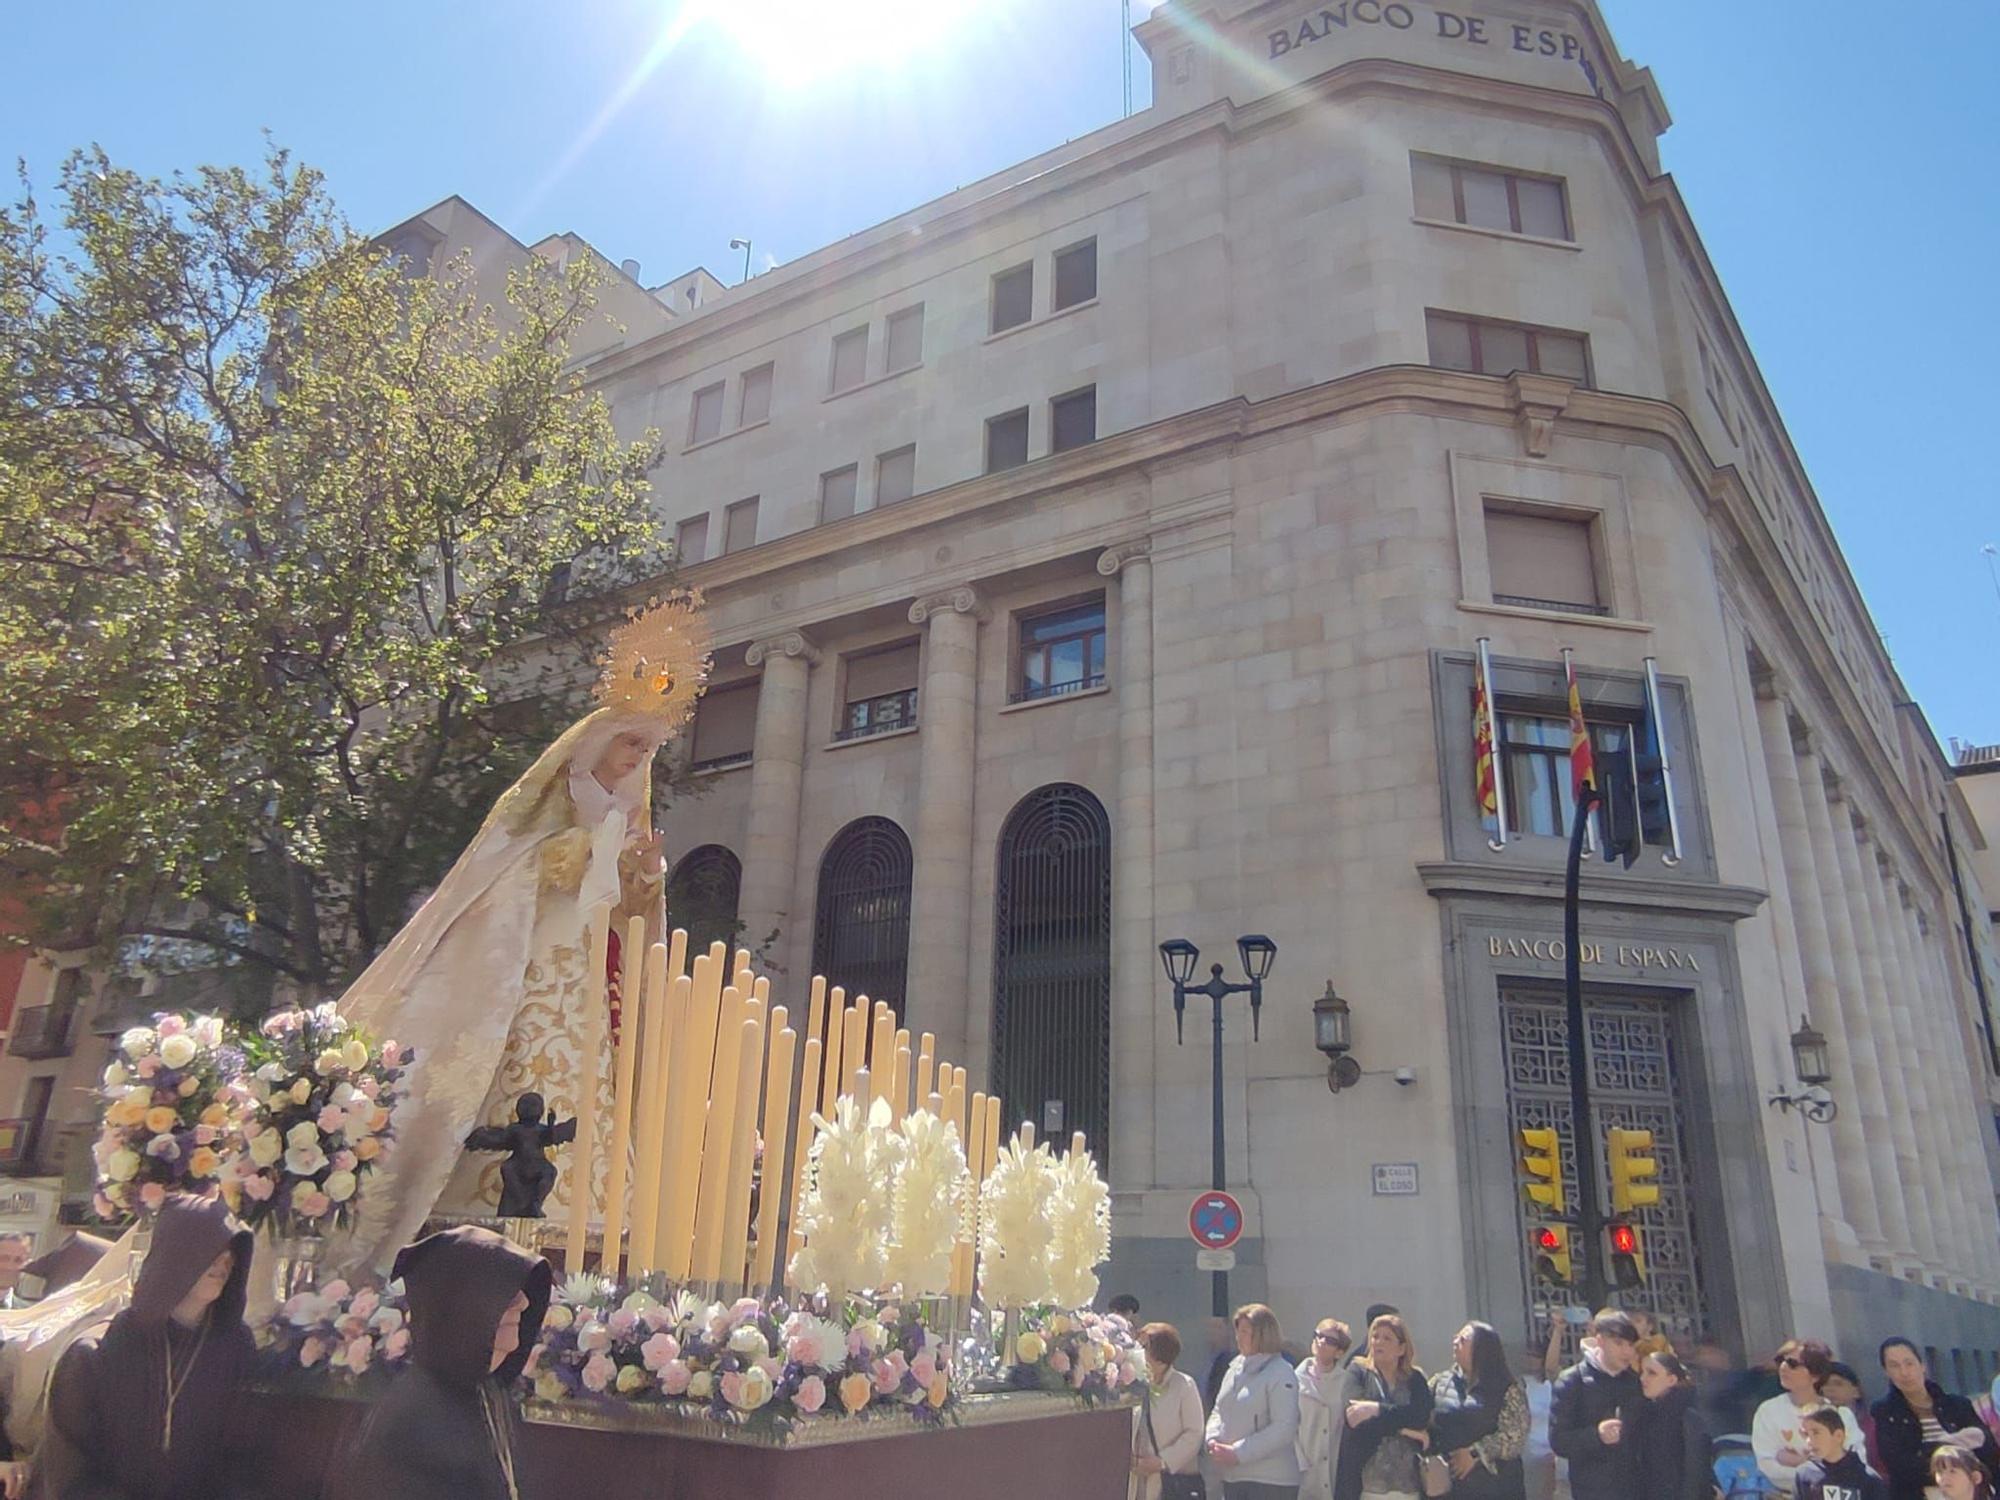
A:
x: 702, y: 893
x: 861, y: 930
x: 1052, y: 964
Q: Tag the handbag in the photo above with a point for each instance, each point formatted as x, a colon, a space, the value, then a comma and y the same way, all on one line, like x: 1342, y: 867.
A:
x: 1172, y: 1486
x: 1437, y: 1475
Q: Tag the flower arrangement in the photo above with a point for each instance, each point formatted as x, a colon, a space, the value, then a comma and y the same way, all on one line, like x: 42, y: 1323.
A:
x: 927, y: 1205
x: 1089, y: 1354
x: 848, y: 1208
x: 321, y: 1096
x: 749, y: 1361
x: 341, y: 1330
x: 172, y: 1102
x: 1015, y: 1231
x: 1079, y: 1214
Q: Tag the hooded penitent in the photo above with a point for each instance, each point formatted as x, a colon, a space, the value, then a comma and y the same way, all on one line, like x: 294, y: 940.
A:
x: 445, y: 1431
x: 146, y: 1410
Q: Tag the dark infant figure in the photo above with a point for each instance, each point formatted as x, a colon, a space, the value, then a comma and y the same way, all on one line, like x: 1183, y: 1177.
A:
x: 527, y: 1176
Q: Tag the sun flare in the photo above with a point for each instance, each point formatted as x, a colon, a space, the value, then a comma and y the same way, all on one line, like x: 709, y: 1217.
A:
x: 796, y: 40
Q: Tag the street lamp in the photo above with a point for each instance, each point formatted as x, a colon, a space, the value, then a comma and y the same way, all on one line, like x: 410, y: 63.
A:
x: 1333, y: 1034
x: 1811, y: 1061
x: 744, y: 246
x: 1179, y: 957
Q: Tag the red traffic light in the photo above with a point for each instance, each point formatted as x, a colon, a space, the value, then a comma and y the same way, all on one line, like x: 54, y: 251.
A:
x: 1624, y: 1240
x: 1547, y: 1239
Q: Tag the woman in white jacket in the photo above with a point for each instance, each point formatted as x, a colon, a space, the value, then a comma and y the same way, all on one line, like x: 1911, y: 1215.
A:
x: 1253, y: 1431
x: 1166, y: 1429
x: 1322, y: 1407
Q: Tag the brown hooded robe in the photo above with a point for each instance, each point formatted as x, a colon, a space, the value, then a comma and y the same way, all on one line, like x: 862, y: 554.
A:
x: 445, y: 1430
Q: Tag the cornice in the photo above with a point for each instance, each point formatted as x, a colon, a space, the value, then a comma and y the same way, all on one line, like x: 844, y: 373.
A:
x: 1644, y: 894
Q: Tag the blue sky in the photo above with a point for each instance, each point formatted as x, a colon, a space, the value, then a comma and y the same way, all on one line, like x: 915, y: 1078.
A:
x: 1836, y: 158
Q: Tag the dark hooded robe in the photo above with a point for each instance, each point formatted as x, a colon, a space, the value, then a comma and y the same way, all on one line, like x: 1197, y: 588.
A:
x: 145, y: 1413
x: 446, y: 1429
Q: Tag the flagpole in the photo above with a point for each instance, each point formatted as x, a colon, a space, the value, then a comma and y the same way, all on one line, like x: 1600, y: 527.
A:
x: 1493, y: 749
x: 1666, y: 765
x: 1580, y: 727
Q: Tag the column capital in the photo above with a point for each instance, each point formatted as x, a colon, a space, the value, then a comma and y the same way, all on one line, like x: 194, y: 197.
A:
x: 1112, y: 560
x: 961, y: 600
x: 791, y: 643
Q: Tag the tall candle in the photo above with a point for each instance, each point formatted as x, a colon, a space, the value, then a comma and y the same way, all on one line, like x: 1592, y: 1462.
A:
x: 694, y: 1057
x: 809, y: 1083
x: 830, y: 1059
x: 631, y: 990
x: 778, y: 1101
x: 711, y: 1197
x: 669, y: 1115
x: 965, y: 1253
x: 882, y: 1055
x: 816, y: 1009
x: 926, y: 1061
x: 1026, y: 1135
x: 899, y: 1079
x: 855, y: 1054
x: 648, y: 1128
x: 1076, y: 1146
x: 583, y: 1152
x: 743, y: 1147
x: 992, y: 1154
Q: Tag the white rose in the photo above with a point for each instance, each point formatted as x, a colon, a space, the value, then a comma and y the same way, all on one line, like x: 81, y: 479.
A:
x: 122, y: 1165
x: 355, y: 1054
x: 305, y: 1133
x: 305, y: 1160
x: 558, y: 1318
x: 271, y: 1072
x: 749, y: 1342
x: 137, y: 1042
x: 339, y: 1186
x: 117, y: 1076
x: 266, y: 1146
x: 329, y: 1061
x: 178, y: 1051
x: 302, y: 1090
x: 207, y: 1030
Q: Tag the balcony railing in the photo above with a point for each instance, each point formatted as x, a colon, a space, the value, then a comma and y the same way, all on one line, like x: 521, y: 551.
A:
x: 1567, y: 606
x: 880, y: 715
x: 43, y: 1031
x: 720, y: 762
x: 1035, y: 690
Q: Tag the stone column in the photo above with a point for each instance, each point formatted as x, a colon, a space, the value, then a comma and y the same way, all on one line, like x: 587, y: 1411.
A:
x: 777, y: 767
x: 1880, y: 1009
x: 1948, y: 1114
x: 1870, y: 1099
x: 1967, y: 1176
x: 1933, y: 937
x: 1850, y: 1150
x: 1135, y: 1003
x: 940, y: 996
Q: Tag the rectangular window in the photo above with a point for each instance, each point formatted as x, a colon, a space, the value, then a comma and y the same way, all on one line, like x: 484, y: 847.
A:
x: 35, y: 1101
x: 904, y: 338
x: 691, y: 541
x: 1073, y: 420
x: 739, y: 525
x: 1534, y: 752
x: 1488, y: 198
x: 754, y: 404
x: 725, y: 726
x: 1485, y: 347
x: 1076, y: 275
x: 850, y: 360
x: 881, y: 692
x: 1013, y: 297
x: 1542, y: 561
x: 1006, y: 441
x: 705, y: 419
x: 836, y: 494
x: 1061, y: 651
x: 896, y: 476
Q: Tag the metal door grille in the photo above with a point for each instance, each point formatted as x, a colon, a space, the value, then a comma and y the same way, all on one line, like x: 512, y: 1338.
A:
x: 1052, y: 963
x: 861, y: 934
x: 1636, y: 1084
x: 702, y: 895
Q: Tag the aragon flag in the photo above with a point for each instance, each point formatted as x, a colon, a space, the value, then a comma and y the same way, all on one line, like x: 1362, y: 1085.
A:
x: 1483, y: 769
x: 1582, y: 763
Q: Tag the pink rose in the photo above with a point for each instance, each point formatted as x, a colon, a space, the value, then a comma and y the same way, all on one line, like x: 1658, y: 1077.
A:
x: 148, y: 1066
x: 924, y: 1367
x: 392, y: 1055
x: 204, y: 1135
x: 365, y: 1302
x: 807, y: 1349
x: 370, y: 1087
x: 887, y: 1378
x: 344, y: 1161
x: 622, y: 1323
x: 659, y: 1351
x: 674, y: 1378
x: 311, y: 1352
x: 358, y: 1354
x: 171, y: 1026
x: 657, y: 1319
x: 598, y: 1372
x: 312, y: 1204
x: 732, y: 1387
x: 332, y: 1118
x: 744, y: 1309
x: 348, y: 1326
x: 397, y: 1344
x: 152, y: 1195
x: 259, y: 1187
x: 1059, y: 1362
x: 336, y: 1290
x: 811, y: 1395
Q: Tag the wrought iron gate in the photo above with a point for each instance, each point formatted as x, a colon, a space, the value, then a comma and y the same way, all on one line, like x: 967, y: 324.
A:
x: 861, y: 928
x: 1636, y: 1082
x: 1052, y: 963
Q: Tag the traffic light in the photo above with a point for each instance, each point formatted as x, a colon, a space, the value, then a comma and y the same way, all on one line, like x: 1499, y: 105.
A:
x: 1541, y: 1159
x: 1630, y: 1161
x: 1649, y: 766
x: 1627, y: 1256
x: 1624, y: 836
x: 1548, y: 1250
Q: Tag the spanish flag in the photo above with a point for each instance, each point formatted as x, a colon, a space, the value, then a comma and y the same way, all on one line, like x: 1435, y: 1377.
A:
x: 1582, y: 764
x: 1482, y: 754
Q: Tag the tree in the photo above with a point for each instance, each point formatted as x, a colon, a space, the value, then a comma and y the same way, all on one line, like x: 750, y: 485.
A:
x: 302, y: 558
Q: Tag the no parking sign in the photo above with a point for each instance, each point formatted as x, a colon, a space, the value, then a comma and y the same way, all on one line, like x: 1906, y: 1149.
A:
x: 1215, y: 1222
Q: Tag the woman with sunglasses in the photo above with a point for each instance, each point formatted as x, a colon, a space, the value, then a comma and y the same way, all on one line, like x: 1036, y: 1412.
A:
x: 1323, y: 1377
x: 1777, y: 1432
x: 1919, y: 1419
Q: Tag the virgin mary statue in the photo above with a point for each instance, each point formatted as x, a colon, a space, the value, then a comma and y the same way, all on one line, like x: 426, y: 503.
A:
x: 487, y: 981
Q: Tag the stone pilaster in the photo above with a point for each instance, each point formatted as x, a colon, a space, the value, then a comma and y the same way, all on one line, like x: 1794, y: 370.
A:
x: 1136, y: 1012
x: 1971, y: 1180
x: 777, y: 768
x: 941, y: 897
x: 1946, y: 1112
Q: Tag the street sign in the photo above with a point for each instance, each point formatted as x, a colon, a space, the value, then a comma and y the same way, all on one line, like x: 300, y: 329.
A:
x: 1395, y: 1179
x: 1215, y: 1260
x: 1216, y: 1220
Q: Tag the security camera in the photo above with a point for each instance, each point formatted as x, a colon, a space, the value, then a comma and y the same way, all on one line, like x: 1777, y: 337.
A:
x: 1406, y: 1076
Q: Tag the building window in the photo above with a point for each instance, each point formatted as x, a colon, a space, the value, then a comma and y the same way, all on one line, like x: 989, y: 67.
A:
x: 739, y: 525
x: 861, y: 924
x: 703, y: 892
x: 754, y: 401
x: 725, y: 726
x: 35, y: 1101
x: 1061, y: 651
x: 1076, y: 275
x: 1073, y: 420
x: 1534, y: 751
x: 705, y: 419
x: 1486, y: 198
x: 1013, y: 297
x: 836, y: 494
x: 896, y: 475
x: 881, y: 692
x: 1052, y: 965
x: 904, y: 338
x: 1541, y: 561
x: 691, y: 541
x: 850, y: 360
x: 1007, y: 441
x: 1487, y: 348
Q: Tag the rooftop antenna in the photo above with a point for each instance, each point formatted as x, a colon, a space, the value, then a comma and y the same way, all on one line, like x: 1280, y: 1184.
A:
x: 1125, y: 8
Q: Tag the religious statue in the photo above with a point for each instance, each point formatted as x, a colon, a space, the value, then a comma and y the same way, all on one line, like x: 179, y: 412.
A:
x: 527, y: 1174
x: 487, y: 981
